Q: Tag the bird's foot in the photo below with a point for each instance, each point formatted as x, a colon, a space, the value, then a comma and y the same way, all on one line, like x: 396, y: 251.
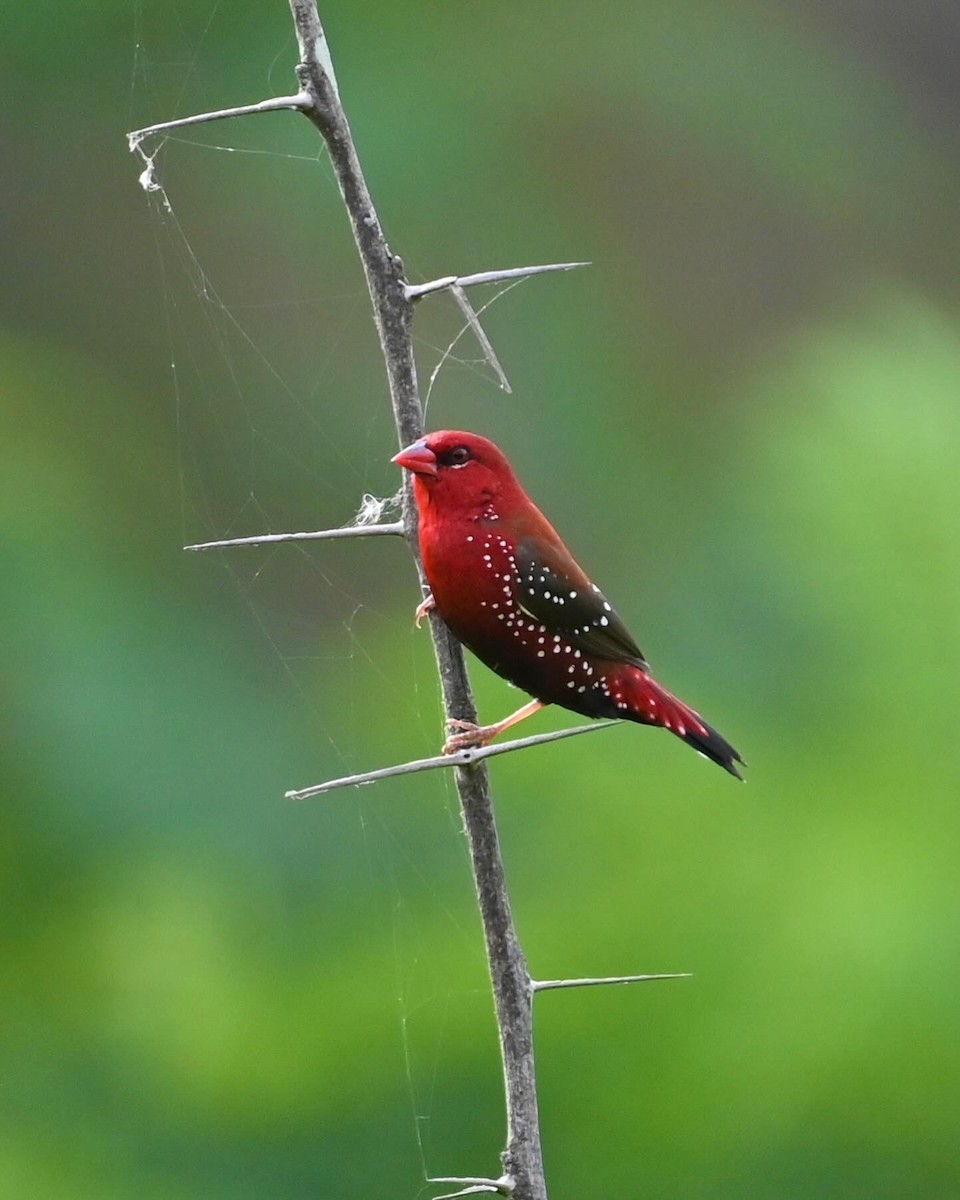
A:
x: 473, y: 736
x: 427, y: 606
x: 470, y: 736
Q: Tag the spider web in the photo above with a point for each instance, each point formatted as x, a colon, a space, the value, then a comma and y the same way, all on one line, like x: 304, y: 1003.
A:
x: 282, y: 422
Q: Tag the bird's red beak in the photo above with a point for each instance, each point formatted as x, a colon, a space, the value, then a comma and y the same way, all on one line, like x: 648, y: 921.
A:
x: 418, y: 458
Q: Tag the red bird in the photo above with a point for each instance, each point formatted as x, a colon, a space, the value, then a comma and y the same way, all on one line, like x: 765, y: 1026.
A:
x: 509, y: 589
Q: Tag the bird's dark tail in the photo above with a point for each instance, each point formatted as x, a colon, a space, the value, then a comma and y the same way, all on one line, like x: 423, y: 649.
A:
x: 652, y: 704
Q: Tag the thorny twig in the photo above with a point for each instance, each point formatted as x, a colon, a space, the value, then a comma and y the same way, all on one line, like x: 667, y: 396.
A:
x: 393, y: 300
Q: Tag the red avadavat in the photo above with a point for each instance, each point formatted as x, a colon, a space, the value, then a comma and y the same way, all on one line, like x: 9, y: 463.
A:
x: 510, y: 590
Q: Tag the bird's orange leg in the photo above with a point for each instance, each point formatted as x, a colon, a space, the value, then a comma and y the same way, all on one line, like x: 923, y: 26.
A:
x: 428, y: 605
x: 478, y: 735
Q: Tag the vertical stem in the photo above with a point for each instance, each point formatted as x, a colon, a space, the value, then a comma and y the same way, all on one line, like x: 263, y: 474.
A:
x: 512, y: 988
x: 393, y: 314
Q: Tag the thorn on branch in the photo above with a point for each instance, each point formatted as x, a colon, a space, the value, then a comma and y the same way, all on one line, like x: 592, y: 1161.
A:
x: 546, y: 985
x: 461, y: 758
x: 394, y: 528
x: 275, y: 104
x: 475, y: 1190
x: 473, y: 1185
x: 480, y: 334
x: 413, y: 291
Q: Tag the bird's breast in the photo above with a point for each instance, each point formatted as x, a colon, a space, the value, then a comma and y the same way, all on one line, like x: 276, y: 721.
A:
x: 472, y: 573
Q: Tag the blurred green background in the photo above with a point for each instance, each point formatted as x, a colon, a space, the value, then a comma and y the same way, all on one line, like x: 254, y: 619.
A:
x: 744, y: 419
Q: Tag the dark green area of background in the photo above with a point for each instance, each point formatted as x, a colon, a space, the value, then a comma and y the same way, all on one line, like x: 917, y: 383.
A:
x: 743, y: 417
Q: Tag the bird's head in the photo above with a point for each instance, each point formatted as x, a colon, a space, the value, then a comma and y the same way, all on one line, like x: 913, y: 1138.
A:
x: 456, y: 470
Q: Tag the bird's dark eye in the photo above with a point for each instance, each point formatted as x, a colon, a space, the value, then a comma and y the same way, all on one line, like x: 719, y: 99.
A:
x: 456, y: 457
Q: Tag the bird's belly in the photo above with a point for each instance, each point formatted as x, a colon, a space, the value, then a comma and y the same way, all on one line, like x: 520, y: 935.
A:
x: 541, y: 664
x: 532, y: 657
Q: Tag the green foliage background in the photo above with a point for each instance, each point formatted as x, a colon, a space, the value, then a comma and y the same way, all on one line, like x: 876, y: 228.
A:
x: 744, y: 417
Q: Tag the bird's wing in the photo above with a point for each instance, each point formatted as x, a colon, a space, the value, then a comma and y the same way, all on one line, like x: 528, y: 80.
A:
x: 561, y: 597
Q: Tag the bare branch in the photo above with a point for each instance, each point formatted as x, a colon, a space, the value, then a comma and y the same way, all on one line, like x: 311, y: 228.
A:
x: 460, y: 758
x: 547, y: 985
x: 321, y: 535
x: 276, y: 104
x: 414, y: 291
x: 480, y: 334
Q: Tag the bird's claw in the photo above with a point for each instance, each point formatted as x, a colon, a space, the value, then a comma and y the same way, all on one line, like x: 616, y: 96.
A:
x: 470, y: 736
x: 426, y: 606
